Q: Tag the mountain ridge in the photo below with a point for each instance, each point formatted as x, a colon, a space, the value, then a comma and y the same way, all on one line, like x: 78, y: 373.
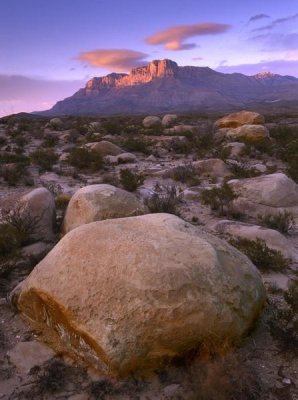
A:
x: 163, y: 86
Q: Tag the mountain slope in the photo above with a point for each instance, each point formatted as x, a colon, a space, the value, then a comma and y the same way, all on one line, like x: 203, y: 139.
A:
x: 164, y: 86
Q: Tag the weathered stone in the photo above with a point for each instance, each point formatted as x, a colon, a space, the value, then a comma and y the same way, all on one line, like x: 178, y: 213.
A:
x: 106, y: 148
x: 236, y: 149
x: 151, y: 122
x: 128, y: 294
x: 249, y: 133
x: 212, y: 166
x: 180, y: 130
x: 26, y: 355
x: 168, y: 120
x: 126, y: 158
x: 99, y: 202
x: 266, y: 194
x: 240, y: 118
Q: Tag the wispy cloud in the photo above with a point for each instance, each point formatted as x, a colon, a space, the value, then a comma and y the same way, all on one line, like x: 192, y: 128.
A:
x: 276, y: 22
x: 257, y: 17
x: 114, y: 59
x: 173, y: 38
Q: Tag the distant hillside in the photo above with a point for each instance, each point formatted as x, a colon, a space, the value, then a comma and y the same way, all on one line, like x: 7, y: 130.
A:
x: 163, y: 86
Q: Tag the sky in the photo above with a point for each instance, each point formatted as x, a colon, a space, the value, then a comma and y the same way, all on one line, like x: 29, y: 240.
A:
x: 50, y: 48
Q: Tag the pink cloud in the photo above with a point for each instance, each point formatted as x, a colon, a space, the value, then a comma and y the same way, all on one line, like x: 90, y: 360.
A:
x: 114, y: 59
x: 173, y: 37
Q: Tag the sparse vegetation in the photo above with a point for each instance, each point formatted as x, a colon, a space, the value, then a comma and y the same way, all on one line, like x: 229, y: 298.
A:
x: 283, y: 321
x: 260, y: 254
x: 219, y: 198
x: 130, y: 180
x: 85, y: 159
x: 283, y: 221
x: 164, y: 201
x: 44, y: 158
x: 136, y: 144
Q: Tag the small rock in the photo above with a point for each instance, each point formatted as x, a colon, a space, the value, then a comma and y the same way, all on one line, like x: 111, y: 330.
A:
x: 26, y: 355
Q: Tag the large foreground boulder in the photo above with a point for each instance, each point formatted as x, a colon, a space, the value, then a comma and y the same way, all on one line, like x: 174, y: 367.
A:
x: 128, y: 294
x: 97, y: 202
x: 240, y: 118
x: 267, y: 194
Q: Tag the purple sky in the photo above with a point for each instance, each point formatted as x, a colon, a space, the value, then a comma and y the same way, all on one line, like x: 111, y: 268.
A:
x: 50, y: 48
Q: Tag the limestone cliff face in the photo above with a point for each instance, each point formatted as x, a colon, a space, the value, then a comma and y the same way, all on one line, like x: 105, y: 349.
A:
x: 163, y: 86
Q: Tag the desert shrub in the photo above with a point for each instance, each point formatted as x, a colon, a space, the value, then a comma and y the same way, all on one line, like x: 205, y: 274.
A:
x: 85, y: 159
x: 283, y: 321
x: 62, y: 201
x: 219, y: 198
x: 112, y: 126
x: 240, y: 171
x: 203, y: 143
x: 260, y: 254
x: 283, y: 221
x: 99, y: 389
x: 3, y: 141
x: 22, y: 221
x: 10, y: 240
x: 130, y: 180
x: 164, y: 202
x: 13, y: 174
x: 21, y: 141
x: 8, y: 158
x: 222, y: 152
x: 50, y: 140
x: 136, y: 144
x: 184, y: 173
x: 180, y: 146
x: 44, y: 158
x: 55, y: 375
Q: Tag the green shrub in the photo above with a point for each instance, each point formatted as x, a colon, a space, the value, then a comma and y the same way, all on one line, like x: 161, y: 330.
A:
x: 240, y: 171
x: 180, y: 146
x: 44, y: 158
x: 85, y: 159
x: 260, y: 254
x: 166, y: 202
x: 219, y: 198
x: 136, y: 144
x: 50, y: 140
x: 130, y: 180
x: 184, y: 173
x: 283, y: 221
x: 10, y: 240
x: 283, y: 321
x: 13, y: 174
x: 62, y: 201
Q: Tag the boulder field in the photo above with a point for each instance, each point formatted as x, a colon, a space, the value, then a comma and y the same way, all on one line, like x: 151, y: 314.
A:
x: 132, y: 293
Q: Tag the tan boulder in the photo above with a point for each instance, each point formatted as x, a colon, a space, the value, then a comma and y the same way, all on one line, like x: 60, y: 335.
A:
x: 180, y: 130
x: 168, y: 120
x: 151, y: 121
x: 266, y: 194
x: 106, y: 148
x: 240, y: 118
x: 249, y: 133
x: 212, y: 166
x: 129, y: 294
x: 97, y: 202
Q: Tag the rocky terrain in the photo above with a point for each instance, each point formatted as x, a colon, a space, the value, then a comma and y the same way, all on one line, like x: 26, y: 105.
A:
x: 151, y: 257
x: 163, y: 86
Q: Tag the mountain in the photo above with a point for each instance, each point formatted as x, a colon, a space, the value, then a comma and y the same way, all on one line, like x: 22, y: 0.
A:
x: 163, y: 86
